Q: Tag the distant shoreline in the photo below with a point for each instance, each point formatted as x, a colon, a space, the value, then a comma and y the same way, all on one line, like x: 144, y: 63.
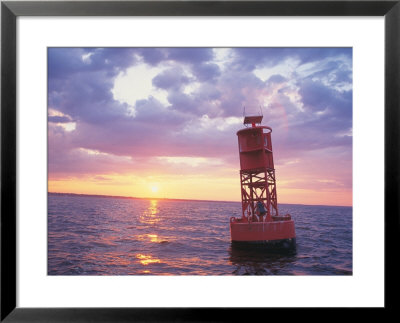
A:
x: 138, y: 198
x: 172, y: 199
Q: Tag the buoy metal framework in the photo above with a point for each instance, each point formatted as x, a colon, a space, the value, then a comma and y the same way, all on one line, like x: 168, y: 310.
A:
x: 260, y: 221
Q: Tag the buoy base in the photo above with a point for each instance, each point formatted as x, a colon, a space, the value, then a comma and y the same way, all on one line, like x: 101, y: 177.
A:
x: 261, y: 232
x: 286, y: 244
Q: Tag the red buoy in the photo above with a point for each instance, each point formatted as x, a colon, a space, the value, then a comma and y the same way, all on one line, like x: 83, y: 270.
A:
x: 260, y: 221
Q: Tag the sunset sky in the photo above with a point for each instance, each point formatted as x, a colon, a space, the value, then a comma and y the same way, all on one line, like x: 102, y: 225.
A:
x: 162, y: 122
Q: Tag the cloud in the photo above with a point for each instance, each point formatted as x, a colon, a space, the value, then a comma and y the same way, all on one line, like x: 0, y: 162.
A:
x: 249, y: 58
x: 173, y: 78
x: 206, y: 71
x: 276, y: 79
x: 59, y: 119
x: 191, y: 56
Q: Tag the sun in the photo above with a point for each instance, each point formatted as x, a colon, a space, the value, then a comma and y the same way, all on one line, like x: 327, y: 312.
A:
x: 154, y: 188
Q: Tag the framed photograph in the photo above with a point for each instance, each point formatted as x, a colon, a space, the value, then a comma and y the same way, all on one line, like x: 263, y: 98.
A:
x: 168, y: 160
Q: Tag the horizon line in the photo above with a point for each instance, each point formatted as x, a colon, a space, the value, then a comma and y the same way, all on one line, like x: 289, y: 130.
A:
x: 173, y: 199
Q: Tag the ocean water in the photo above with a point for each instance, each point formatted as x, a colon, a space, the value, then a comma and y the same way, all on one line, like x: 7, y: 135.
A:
x: 90, y: 235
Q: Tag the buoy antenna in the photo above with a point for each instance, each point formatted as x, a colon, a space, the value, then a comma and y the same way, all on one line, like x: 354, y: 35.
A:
x: 244, y: 115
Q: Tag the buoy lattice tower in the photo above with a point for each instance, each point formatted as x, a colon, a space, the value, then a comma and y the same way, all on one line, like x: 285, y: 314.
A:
x: 257, y: 173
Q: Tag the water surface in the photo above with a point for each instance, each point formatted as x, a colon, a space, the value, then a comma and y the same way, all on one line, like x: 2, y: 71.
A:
x: 90, y: 235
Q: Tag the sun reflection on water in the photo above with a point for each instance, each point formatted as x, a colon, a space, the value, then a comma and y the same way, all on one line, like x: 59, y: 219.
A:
x: 152, y: 238
x: 147, y: 259
x: 150, y: 215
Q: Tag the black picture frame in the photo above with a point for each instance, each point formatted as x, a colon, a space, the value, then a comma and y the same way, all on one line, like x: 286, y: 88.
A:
x: 10, y: 10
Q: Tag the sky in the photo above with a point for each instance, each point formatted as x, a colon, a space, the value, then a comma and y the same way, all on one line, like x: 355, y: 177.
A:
x: 162, y: 122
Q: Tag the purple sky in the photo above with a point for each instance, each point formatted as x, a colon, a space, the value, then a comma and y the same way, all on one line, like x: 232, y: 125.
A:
x: 164, y: 112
